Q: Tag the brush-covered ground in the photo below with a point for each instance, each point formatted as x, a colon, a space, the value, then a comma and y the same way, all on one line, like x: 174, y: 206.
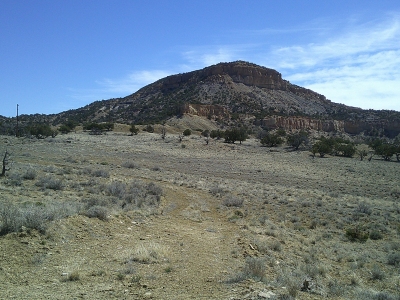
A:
x: 137, y: 217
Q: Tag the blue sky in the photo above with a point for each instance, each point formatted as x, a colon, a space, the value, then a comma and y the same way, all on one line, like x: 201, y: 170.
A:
x: 64, y: 54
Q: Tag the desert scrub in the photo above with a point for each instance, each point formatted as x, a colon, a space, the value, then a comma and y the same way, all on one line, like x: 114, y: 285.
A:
x: 136, y: 194
x: 275, y: 246
x: 377, y: 273
x: 393, y: 259
x: 116, y: 189
x: 375, y: 235
x: 100, y: 173
x: 363, y: 208
x: 373, y: 295
x: 49, y: 182
x: 130, y: 165
x: 148, y: 253
x: 216, y: 191
x: 14, y: 179
x: 232, y: 201
x: 96, y: 211
x: 254, y: 268
x: 30, y: 174
x: 73, y: 276
x: 290, y: 280
x: 15, y: 217
x: 356, y: 234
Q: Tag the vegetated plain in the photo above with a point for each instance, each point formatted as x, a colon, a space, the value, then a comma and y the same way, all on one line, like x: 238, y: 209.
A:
x: 135, y: 217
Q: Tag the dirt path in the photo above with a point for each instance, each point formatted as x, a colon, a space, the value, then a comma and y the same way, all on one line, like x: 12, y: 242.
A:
x: 198, y: 243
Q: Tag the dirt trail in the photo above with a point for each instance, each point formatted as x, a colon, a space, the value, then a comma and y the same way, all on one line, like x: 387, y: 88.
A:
x: 198, y: 242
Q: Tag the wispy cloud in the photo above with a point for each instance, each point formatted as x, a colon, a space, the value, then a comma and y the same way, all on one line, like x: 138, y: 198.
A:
x: 367, y: 38
x: 117, y: 87
x: 360, y: 67
x: 132, y: 82
x: 357, y: 63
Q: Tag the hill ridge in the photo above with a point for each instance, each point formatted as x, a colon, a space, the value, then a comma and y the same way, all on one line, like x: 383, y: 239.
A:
x: 244, y: 91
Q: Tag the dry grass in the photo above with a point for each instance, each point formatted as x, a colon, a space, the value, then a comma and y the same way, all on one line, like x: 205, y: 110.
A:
x: 284, y: 217
x: 149, y: 253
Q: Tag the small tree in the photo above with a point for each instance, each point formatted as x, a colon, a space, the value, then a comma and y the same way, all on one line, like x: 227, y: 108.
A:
x: 67, y: 127
x: 271, y: 140
x: 345, y: 149
x: 384, y: 149
x: 297, y: 139
x: 281, y: 132
x: 217, y: 134
x: 108, y: 126
x: 149, y: 128
x: 42, y: 131
x: 322, y: 147
x: 206, y: 133
x: 134, y: 130
x: 362, y: 153
x: 236, y: 134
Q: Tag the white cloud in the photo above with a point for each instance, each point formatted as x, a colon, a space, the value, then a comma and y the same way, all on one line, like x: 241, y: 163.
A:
x: 367, y: 38
x: 354, y: 64
x: 359, y: 68
x: 132, y: 82
x: 113, y: 88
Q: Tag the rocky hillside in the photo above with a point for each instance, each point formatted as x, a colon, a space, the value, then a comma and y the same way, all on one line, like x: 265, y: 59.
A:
x: 238, y: 91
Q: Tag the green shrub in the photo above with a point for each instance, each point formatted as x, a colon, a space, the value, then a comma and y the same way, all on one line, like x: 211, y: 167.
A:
x: 385, y: 149
x: 134, y: 130
x: 375, y: 235
x: 236, y: 134
x: 67, y: 127
x: 149, y: 129
x: 346, y: 150
x: 205, y: 133
x: 356, y: 235
x: 41, y: 131
x: 187, y: 132
x: 297, y: 139
x: 281, y: 132
x: 321, y: 147
x: 217, y: 134
x: 271, y: 140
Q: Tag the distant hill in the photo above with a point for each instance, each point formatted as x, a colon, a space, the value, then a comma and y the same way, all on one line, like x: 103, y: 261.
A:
x: 233, y: 92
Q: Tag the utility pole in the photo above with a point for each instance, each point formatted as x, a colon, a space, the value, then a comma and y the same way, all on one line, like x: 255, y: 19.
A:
x: 16, y: 133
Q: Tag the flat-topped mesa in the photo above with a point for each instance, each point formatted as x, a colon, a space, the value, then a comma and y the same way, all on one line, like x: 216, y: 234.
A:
x: 239, y: 71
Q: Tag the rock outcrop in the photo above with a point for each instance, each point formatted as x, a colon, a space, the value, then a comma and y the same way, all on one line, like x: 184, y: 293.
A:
x: 299, y: 123
x: 205, y: 110
x: 240, y: 72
